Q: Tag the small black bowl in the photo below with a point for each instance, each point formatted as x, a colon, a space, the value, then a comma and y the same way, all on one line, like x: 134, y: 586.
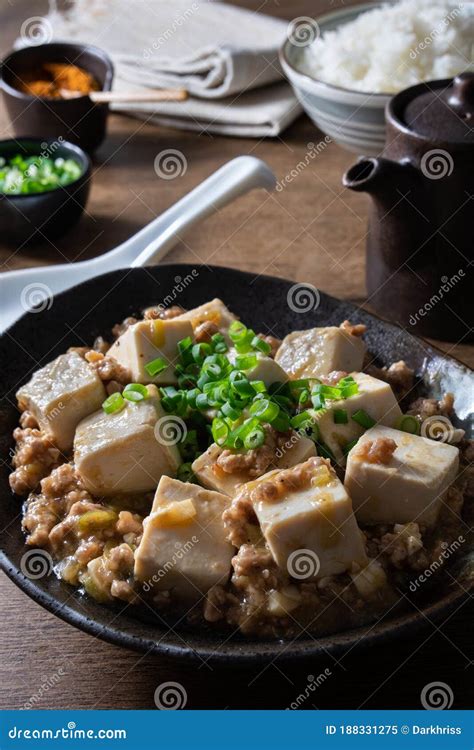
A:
x: 77, y: 120
x: 36, y: 217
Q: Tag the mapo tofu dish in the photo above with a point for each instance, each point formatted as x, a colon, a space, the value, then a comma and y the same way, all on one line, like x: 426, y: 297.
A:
x: 193, y: 465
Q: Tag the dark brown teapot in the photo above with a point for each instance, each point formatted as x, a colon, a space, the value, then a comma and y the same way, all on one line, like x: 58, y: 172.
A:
x: 420, y: 244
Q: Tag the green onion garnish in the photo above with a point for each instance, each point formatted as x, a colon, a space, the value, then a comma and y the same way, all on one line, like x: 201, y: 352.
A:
x: 264, y: 410
x: 260, y: 345
x: 135, y: 392
x: 218, y: 343
x: 361, y: 417
x: 115, y: 402
x: 255, y: 438
x: 237, y: 331
x: 340, y: 416
x: 246, y: 361
x: 351, y: 389
x: 301, y: 420
x: 325, y: 452
x: 220, y: 430
x: 155, y: 366
x: 185, y: 473
x: 409, y: 424
x: 349, y: 446
x: 318, y: 401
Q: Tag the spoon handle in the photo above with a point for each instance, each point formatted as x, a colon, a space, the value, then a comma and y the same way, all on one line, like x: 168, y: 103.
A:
x: 21, y: 290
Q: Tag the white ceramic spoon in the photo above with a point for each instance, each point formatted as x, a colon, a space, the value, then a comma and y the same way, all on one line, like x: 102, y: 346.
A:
x: 30, y: 287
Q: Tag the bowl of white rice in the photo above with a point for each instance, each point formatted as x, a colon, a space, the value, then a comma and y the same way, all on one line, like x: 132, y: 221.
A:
x: 345, y: 66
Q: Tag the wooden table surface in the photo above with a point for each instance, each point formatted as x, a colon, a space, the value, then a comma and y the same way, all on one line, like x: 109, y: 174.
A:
x: 314, y: 231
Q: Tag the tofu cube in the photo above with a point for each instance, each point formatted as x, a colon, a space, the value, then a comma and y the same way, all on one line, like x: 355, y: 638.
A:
x: 211, y: 312
x: 410, y: 487
x: 184, y: 547
x: 294, y: 451
x: 375, y: 397
x: 120, y: 452
x: 147, y: 340
x: 61, y: 394
x: 266, y: 369
x: 308, y: 523
x: 319, y: 351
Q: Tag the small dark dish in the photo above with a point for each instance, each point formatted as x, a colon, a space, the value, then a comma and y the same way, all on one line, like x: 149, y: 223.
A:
x: 91, y: 309
x: 78, y: 120
x: 35, y: 217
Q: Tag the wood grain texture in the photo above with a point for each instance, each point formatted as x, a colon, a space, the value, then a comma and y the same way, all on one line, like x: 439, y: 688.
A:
x: 311, y: 230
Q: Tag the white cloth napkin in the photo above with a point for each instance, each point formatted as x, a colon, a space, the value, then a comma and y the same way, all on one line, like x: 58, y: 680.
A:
x: 226, y: 57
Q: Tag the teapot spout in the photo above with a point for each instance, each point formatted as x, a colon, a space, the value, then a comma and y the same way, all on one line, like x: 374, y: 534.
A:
x: 378, y: 176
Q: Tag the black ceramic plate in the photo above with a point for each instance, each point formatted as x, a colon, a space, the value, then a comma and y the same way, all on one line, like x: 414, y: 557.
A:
x: 91, y: 309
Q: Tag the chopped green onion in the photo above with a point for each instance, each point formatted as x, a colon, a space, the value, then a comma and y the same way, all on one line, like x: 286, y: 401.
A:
x: 185, y: 345
x: 346, y: 380
x: 325, y: 452
x: 318, y: 401
x: 282, y: 422
x: 220, y: 430
x: 361, y: 417
x: 202, y: 401
x: 255, y: 438
x: 349, y: 390
x: 258, y: 386
x: 237, y: 331
x: 115, y: 402
x: 328, y: 391
x: 301, y: 420
x: 264, y: 410
x: 409, y: 424
x: 191, y: 397
x: 349, y: 446
x: 246, y: 361
x: 340, y: 416
x: 185, y: 473
x: 260, y: 345
x: 304, y: 397
x: 135, y: 392
x: 155, y: 366
x: 230, y: 412
x: 200, y: 351
x: 218, y: 343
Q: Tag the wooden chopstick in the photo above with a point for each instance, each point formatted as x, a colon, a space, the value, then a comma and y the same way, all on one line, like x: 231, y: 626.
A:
x: 123, y: 97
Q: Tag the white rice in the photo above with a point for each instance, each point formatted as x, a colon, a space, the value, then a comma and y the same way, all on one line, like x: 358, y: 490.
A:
x: 389, y: 48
